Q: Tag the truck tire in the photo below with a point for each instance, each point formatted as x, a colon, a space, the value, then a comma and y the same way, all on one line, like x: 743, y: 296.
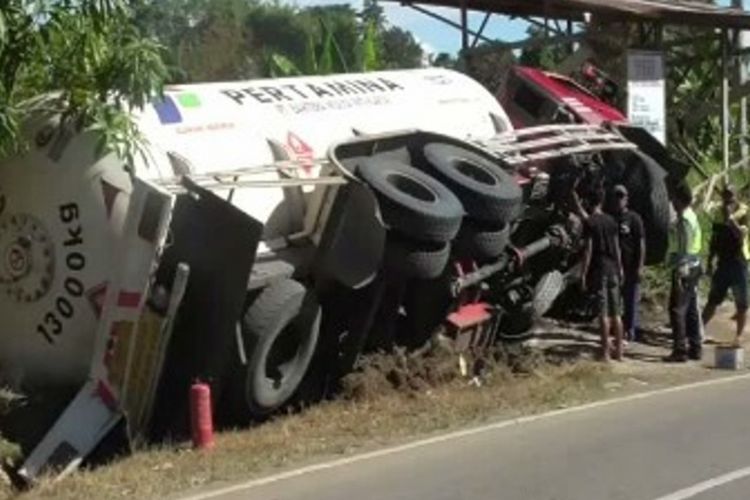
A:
x: 645, y: 181
x: 487, y: 192
x: 399, y: 155
x: 280, y: 333
x: 411, y: 202
x: 415, y: 259
x: 516, y: 325
x: 482, y: 241
x: 547, y: 290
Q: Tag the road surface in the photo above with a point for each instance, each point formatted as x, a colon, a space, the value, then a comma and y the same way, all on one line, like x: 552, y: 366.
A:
x: 692, y: 443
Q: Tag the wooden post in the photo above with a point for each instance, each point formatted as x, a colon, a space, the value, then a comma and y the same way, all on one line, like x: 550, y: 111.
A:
x: 464, y: 26
x: 742, y: 77
x: 724, y: 100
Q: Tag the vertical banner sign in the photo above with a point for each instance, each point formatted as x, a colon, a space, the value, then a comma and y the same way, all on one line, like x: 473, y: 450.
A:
x: 647, y: 92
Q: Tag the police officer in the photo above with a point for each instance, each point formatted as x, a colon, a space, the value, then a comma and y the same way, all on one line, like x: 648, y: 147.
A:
x: 685, y: 266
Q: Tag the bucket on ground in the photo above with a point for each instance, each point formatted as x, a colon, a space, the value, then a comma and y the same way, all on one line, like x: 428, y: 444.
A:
x: 729, y: 357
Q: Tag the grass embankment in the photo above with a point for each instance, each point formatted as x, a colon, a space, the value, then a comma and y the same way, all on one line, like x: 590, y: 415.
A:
x: 8, y: 451
x: 394, y: 398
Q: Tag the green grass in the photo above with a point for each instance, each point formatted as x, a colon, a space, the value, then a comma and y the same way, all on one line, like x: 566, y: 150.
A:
x: 344, y: 427
x: 333, y: 429
x: 8, y: 450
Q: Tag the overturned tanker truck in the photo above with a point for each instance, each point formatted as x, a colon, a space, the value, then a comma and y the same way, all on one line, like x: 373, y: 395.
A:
x: 273, y: 231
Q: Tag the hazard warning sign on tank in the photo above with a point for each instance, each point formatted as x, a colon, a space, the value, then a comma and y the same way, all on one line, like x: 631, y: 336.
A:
x: 301, y: 152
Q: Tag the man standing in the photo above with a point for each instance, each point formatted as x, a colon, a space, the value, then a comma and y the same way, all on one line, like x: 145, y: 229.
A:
x: 729, y: 245
x: 602, y: 272
x: 685, y: 264
x: 633, y: 249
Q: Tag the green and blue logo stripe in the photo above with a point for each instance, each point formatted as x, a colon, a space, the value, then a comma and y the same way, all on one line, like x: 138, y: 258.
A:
x: 169, y: 110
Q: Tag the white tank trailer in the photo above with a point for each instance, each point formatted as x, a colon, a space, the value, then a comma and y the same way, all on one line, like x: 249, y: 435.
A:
x: 225, y: 215
x: 60, y: 201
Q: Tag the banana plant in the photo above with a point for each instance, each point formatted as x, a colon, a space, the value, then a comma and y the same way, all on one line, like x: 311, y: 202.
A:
x: 314, y: 62
x: 369, y: 48
x: 323, y: 57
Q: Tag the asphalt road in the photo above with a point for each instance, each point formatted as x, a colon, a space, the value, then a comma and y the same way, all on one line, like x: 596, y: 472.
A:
x: 670, y: 446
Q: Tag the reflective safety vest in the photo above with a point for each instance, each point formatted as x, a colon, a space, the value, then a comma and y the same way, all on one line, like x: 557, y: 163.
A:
x: 685, y: 238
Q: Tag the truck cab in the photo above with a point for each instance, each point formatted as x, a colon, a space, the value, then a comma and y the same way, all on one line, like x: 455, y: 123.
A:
x: 532, y: 96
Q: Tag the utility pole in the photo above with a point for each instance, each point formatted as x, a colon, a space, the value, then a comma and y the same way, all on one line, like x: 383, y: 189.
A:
x: 743, y: 41
x: 725, y: 100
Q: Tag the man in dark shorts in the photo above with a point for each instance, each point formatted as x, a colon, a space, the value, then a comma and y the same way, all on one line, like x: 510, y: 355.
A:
x: 632, y: 247
x: 602, y: 273
x: 729, y: 246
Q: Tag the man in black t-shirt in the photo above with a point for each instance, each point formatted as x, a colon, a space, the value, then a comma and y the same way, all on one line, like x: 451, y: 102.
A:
x: 632, y: 247
x: 729, y: 246
x: 602, y: 273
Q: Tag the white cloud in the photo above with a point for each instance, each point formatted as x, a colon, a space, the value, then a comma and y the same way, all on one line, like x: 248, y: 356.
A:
x: 428, y: 51
x: 426, y: 47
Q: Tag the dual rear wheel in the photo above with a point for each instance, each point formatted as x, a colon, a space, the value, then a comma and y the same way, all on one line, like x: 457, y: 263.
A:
x: 456, y: 202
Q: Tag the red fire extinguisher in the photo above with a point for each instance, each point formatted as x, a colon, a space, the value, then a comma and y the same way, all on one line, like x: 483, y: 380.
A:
x: 201, y: 418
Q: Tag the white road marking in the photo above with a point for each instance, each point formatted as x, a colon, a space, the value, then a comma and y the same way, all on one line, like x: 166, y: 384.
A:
x: 255, y: 483
x: 699, y: 488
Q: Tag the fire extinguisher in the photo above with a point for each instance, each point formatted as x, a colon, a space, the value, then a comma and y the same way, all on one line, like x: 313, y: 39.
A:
x: 201, y: 417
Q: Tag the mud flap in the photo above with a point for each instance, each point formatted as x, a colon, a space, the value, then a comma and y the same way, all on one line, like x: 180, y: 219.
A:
x: 353, y: 243
x: 99, y: 405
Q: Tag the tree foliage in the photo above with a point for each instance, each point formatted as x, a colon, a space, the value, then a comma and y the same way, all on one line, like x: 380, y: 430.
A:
x: 210, y: 40
x: 90, y: 53
x: 541, y: 56
x: 444, y: 60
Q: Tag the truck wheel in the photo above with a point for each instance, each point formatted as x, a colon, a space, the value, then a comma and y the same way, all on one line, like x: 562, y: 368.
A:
x: 280, y: 332
x: 482, y: 241
x: 547, y: 290
x: 399, y: 155
x: 487, y: 192
x: 411, y: 201
x: 516, y: 325
x: 414, y: 259
x: 645, y: 180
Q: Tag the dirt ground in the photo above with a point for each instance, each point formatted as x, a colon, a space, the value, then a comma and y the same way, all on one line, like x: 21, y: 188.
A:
x: 573, y: 342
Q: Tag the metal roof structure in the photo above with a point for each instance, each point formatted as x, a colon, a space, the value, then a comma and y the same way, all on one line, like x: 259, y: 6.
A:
x: 683, y: 12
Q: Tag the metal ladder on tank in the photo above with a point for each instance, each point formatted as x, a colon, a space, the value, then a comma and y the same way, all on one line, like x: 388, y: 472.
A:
x: 548, y: 142
x: 244, y: 177
x: 517, y: 147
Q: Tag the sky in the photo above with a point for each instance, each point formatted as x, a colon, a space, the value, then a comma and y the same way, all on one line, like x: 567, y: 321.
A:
x: 436, y: 36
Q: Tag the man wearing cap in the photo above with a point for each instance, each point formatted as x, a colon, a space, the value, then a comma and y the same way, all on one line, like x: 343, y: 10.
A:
x: 632, y: 250
x: 729, y: 246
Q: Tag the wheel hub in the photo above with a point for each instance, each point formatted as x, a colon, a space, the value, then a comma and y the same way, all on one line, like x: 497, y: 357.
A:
x: 17, y: 261
x: 27, y: 254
